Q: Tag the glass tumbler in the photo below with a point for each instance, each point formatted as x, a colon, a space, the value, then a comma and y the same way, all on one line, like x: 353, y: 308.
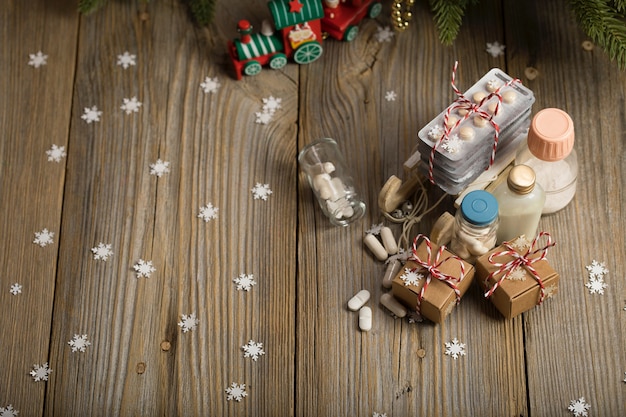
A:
x: 333, y: 186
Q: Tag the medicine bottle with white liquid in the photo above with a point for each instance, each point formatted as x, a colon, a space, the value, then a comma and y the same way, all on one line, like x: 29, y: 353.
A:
x: 520, y: 202
x: 549, y: 151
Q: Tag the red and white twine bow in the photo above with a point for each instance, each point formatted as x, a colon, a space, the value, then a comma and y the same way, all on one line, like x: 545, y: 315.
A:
x: 472, y: 109
x: 431, y: 265
x: 519, y: 260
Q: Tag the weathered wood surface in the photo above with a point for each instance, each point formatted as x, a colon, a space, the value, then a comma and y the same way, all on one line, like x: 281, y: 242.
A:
x: 317, y: 362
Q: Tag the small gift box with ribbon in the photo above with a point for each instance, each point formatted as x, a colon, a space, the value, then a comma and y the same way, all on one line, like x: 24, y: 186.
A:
x: 433, y: 280
x: 516, y: 275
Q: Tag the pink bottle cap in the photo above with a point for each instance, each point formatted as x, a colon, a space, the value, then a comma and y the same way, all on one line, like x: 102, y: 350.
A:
x: 551, y: 135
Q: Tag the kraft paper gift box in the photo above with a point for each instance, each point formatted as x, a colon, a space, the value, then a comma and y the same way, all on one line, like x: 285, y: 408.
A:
x: 512, y: 275
x: 449, y: 279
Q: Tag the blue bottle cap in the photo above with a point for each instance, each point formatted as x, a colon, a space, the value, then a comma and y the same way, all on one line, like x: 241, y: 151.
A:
x: 479, y: 207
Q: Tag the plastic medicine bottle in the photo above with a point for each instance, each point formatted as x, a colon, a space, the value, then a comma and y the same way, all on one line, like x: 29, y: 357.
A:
x: 520, y: 201
x: 550, y: 152
x: 475, y: 225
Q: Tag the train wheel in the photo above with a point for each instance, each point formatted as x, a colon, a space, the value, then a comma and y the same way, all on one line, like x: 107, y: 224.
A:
x: 278, y: 61
x: 351, y: 33
x: 308, y: 52
x: 374, y: 10
x: 252, y: 68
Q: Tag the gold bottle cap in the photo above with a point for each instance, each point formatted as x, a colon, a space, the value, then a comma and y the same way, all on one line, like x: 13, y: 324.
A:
x: 521, y: 179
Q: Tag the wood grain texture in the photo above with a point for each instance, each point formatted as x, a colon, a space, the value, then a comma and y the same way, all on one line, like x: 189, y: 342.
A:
x: 35, y: 108
x: 317, y: 362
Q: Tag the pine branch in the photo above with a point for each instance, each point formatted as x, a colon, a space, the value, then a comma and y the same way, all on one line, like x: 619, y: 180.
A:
x: 89, y: 6
x: 605, y: 25
x: 203, y: 11
x: 620, y: 5
x: 448, y: 18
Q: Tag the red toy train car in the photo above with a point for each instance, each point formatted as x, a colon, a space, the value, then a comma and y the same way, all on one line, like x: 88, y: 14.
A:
x: 302, y: 25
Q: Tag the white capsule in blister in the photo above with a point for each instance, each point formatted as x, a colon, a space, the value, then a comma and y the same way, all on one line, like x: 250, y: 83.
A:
x: 393, y: 305
x: 365, y: 319
x: 359, y: 300
x: 376, y: 247
x: 389, y: 242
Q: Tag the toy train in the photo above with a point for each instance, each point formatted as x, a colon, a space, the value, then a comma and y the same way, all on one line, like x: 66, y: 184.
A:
x: 302, y: 26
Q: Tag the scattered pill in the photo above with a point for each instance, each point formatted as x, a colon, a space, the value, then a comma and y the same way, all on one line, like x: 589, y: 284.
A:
x: 389, y: 242
x: 390, y: 273
x: 376, y: 247
x: 466, y: 133
x: 393, y: 305
x: 359, y: 300
x: 365, y: 319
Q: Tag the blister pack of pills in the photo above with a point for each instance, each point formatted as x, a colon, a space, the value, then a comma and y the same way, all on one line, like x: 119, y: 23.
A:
x: 464, y: 133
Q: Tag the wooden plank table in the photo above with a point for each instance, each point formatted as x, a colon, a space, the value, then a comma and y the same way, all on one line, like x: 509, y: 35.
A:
x: 316, y: 361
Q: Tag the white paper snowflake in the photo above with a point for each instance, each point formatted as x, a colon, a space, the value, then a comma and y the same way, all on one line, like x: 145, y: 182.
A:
x: 56, y: 153
x: 403, y: 255
x: 391, y: 95
x: 549, y: 291
x: 208, y: 212
x: 455, y: 348
x: 144, y: 268
x: 102, y: 252
x: 452, y: 144
x: 624, y: 380
x: 159, y: 168
x: 15, y: 290
x: 520, y: 243
x: 263, y: 117
x: 435, y: 133
x: 188, y: 322
x: 126, y: 60
x: 596, y: 285
x: 517, y: 274
x: 253, y: 350
x: 414, y: 317
x: 597, y: 269
x: 271, y: 104
x: 375, y: 414
x: 261, y: 191
x: 375, y: 229
x: 244, y: 282
x: 411, y: 277
x: 38, y: 59
x: 384, y: 34
x: 91, y: 114
x: 40, y: 372
x: 8, y: 411
x: 579, y: 407
x: 131, y: 105
x: 495, y: 49
x: 210, y: 85
x: 79, y: 343
x: 43, y: 238
x: 236, y: 392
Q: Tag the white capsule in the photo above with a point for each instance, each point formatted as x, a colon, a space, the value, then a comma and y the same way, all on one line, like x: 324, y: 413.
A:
x: 359, y: 300
x: 458, y: 248
x: 376, y: 247
x: 365, y: 319
x: 389, y: 242
x: 478, y: 250
x: 321, y: 180
x: 391, y: 272
x: 329, y: 167
x: 338, y: 188
x: 393, y: 305
x: 347, y: 212
x: 325, y: 192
